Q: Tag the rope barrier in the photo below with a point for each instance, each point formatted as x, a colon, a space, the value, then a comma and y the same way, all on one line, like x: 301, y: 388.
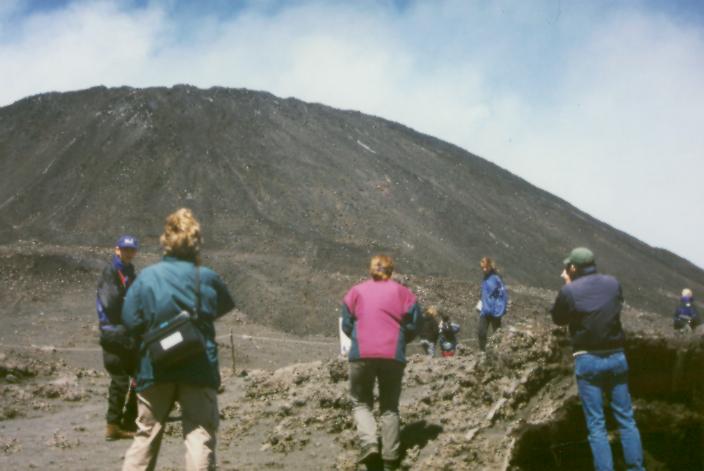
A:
x: 219, y: 337
x: 51, y: 348
x: 48, y: 348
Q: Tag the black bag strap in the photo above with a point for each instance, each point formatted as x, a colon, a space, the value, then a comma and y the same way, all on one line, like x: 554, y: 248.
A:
x: 197, y: 307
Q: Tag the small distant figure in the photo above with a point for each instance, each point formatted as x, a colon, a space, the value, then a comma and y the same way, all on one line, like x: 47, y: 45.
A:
x: 119, y: 350
x: 429, y: 331
x: 686, y: 313
x: 493, y: 303
x: 448, y: 336
x: 380, y: 316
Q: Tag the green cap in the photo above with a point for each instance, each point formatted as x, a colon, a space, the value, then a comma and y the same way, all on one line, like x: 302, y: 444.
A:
x: 580, y: 256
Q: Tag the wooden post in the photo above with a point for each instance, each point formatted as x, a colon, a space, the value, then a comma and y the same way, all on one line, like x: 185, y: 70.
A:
x: 232, y: 351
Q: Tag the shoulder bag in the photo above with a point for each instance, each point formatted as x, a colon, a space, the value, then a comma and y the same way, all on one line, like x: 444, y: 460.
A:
x: 178, y: 339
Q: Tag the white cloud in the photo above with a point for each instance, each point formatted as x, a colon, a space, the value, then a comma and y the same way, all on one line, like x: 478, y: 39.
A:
x: 547, y: 89
x: 630, y: 105
x: 80, y: 46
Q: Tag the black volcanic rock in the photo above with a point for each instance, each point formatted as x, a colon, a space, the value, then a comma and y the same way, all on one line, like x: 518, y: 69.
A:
x: 294, y: 197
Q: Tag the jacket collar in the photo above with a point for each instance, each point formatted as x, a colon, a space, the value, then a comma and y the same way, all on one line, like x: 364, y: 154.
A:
x: 117, y: 263
x: 586, y: 271
x: 172, y: 259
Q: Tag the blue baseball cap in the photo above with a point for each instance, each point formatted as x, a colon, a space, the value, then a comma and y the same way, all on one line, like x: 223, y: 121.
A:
x: 127, y: 242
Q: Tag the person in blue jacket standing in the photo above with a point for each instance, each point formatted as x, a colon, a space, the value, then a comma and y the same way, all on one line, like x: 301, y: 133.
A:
x: 493, y: 303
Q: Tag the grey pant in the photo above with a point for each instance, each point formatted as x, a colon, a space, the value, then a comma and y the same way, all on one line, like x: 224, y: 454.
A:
x: 388, y: 373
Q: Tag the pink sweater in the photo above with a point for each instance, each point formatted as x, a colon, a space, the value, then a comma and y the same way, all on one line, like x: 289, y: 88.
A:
x: 378, y: 311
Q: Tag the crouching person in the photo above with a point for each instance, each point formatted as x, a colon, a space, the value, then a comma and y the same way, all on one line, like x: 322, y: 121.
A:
x: 162, y: 293
x: 448, y: 336
x: 380, y: 316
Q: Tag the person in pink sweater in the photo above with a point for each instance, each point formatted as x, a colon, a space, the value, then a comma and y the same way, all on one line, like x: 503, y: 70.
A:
x: 380, y: 316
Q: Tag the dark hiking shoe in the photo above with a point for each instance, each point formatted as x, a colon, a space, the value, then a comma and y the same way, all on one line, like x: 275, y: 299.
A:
x: 129, y: 425
x: 391, y: 465
x: 368, y: 455
x: 114, y: 432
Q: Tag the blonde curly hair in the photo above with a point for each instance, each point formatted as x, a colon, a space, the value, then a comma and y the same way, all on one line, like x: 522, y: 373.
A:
x: 181, y: 237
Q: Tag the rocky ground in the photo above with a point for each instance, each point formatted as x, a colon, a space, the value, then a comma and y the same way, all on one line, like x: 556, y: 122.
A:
x: 285, y: 403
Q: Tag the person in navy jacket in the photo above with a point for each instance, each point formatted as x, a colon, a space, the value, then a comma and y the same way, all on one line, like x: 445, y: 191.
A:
x: 113, y: 284
x: 590, y: 304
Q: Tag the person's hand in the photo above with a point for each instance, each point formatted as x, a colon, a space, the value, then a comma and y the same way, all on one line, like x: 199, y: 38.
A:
x: 565, y: 276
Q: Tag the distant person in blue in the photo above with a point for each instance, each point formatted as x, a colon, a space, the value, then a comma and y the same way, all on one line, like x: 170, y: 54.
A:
x: 118, y: 348
x: 448, y: 336
x: 590, y: 304
x: 493, y: 303
x: 686, y: 312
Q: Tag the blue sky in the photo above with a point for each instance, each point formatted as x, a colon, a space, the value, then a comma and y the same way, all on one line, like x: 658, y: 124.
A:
x: 598, y: 102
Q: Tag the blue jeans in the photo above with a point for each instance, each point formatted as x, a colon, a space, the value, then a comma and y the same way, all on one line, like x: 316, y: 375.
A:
x: 607, y: 374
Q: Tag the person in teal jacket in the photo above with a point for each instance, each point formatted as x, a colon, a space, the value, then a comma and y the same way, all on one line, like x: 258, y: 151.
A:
x: 160, y: 293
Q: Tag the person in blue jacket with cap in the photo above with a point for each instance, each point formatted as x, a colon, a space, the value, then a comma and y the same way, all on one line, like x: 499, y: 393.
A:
x: 118, y: 348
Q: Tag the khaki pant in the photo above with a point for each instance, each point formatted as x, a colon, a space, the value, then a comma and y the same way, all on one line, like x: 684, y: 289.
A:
x: 199, y: 408
x: 388, y: 373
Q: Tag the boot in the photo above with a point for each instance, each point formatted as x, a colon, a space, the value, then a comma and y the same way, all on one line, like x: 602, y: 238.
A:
x: 114, y: 432
x: 391, y: 465
x: 368, y: 456
x: 129, y: 426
